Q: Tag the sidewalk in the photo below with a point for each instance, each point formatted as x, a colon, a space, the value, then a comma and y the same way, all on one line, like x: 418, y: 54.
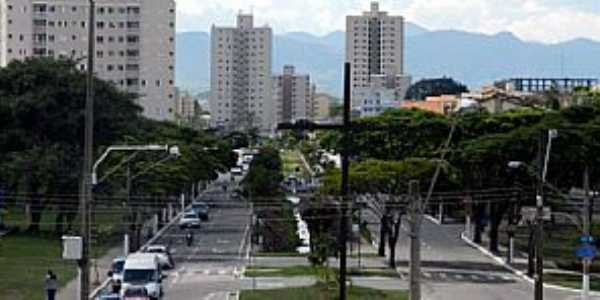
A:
x: 70, y: 291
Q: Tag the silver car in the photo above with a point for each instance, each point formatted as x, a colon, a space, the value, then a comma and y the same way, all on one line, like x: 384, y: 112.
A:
x: 189, y: 219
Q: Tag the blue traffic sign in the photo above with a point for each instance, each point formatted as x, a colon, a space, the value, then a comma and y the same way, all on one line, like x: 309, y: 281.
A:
x: 586, y: 239
x: 586, y: 252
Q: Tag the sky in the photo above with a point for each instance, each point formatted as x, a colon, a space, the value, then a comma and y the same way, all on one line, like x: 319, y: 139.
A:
x: 547, y: 21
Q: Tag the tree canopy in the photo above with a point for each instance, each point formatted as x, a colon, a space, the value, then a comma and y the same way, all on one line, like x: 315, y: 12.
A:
x: 435, y: 87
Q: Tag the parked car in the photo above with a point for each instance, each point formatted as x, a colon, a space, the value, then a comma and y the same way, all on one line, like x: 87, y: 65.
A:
x: 116, y: 269
x: 164, y: 255
x: 202, y: 209
x: 236, y: 171
x: 189, y: 219
x: 135, y: 293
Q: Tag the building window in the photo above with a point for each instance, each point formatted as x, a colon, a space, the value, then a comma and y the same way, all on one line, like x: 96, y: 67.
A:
x: 132, y: 81
x: 133, y: 24
x: 158, y: 83
x: 133, y: 53
x: 133, y: 10
x: 100, y: 39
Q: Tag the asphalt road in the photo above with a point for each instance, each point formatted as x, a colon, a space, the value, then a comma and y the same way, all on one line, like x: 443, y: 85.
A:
x: 210, y: 267
x: 452, y: 270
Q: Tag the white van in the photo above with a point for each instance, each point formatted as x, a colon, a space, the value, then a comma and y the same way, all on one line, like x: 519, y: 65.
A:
x: 143, y: 269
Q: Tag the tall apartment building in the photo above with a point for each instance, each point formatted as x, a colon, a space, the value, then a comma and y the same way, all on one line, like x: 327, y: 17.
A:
x: 375, y: 49
x: 185, y: 108
x: 293, y: 96
x: 135, y: 42
x: 241, y: 59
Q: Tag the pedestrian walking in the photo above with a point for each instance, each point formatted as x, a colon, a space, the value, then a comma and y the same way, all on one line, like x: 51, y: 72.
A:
x: 50, y: 285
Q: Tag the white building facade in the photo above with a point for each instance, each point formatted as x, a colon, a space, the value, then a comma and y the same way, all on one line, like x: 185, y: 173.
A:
x: 293, y: 96
x: 375, y: 50
x: 241, y: 60
x: 135, y: 42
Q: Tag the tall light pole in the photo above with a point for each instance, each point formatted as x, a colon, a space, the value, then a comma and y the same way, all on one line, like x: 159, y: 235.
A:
x: 86, y: 183
x: 546, y: 136
x: 544, y: 158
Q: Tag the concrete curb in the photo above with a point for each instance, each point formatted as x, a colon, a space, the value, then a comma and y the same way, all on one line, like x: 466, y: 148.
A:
x: 432, y: 219
x: 500, y: 261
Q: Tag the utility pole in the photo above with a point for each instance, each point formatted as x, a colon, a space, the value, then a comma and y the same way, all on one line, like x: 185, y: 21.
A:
x: 86, y: 183
x: 129, y: 218
x: 586, y: 232
x: 344, y: 188
x: 546, y: 137
x: 539, y: 255
x: 415, y: 240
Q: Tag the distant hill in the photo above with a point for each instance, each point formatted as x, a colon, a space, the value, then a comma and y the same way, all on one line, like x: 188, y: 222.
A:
x: 472, y: 58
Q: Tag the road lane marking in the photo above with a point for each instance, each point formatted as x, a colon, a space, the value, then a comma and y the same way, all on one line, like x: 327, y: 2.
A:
x: 243, y: 243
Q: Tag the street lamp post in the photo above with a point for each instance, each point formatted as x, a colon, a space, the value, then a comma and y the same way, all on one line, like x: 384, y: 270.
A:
x: 173, y: 151
x: 544, y: 159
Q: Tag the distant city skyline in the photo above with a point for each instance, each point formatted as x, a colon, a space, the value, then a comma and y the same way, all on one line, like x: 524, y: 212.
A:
x: 547, y: 21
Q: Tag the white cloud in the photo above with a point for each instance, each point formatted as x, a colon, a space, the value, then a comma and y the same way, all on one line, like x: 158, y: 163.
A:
x: 539, y: 20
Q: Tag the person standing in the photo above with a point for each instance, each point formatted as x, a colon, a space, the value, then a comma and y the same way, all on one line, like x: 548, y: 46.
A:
x: 50, y: 285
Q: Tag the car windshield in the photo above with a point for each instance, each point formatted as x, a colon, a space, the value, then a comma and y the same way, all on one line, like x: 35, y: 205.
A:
x: 135, y: 292
x: 200, y: 206
x: 138, y: 276
x: 156, y: 250
x: 117, y: 266
x: 190, y: 216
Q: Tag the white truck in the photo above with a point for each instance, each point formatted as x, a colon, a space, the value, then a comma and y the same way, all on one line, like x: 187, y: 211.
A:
x: 143, y: 269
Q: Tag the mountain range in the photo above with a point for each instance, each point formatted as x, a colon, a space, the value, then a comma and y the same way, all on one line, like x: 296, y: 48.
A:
x: 474, y: 59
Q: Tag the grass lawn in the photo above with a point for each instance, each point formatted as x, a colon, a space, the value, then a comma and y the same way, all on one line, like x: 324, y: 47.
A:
x: 279, y: 254
x: 291, y: 160
x: 288, y: 271
x: 571, y: 281
x: 26, y: 257
x: 316, y: 271
x: 322, y: 292
x: 373, y: 272
x: 560, y: 243
x: 24, y: 261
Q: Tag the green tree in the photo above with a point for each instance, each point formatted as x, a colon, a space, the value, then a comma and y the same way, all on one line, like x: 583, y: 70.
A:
x: 435, y: 87
x: 43, y: 101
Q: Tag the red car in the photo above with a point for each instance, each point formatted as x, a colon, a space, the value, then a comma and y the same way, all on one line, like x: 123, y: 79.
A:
x: 136, y: 293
